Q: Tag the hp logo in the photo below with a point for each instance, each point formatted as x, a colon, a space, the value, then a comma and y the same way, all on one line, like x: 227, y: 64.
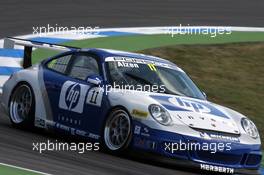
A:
x: 73, y: 95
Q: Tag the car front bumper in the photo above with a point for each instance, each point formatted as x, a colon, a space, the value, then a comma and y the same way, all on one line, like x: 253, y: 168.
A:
x: 241, y: 159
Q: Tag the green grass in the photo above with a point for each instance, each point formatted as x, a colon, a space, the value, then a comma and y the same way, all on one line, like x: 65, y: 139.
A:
x: 140, y: 42
x: 6, y: 170
x: 231, y: 74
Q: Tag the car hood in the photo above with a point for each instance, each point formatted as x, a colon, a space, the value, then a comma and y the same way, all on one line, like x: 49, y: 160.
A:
x: 199, y: 114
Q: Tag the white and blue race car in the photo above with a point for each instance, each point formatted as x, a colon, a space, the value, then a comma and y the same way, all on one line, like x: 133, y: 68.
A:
x: 127, y: 100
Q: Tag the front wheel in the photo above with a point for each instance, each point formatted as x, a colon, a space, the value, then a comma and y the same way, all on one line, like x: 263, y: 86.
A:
x: 117, y: 131
x: 21, y: 106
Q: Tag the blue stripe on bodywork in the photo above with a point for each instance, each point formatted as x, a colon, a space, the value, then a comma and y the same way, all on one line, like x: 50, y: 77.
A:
x: 15, y: 53
x: 8, y: 70
x: 50, y: 40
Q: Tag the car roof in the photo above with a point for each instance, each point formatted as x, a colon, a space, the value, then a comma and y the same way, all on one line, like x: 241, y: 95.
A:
x: 104, y: 53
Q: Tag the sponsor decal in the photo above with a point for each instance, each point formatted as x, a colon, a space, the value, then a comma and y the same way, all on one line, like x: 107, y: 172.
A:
x: 95, y: 96
x: 190, y: 105
x: 152, y: 67
x: 40, y: 122
x: 219, y: 169
x: 142, y: 61
x: 74, y: 131
x: 87, y: 134
x: 139, y: 113
x: 68, y: 120
x: 141, y: 131
x: 124, y: 64
x: 144, y: 143
x: 204, y: 135
x: 210, y: 136
x: 50, y: 124
x: 137, y: 130
x: 145, y: 132
x: 184, y: 104
x: 140, y: 142
x: 72, y: 96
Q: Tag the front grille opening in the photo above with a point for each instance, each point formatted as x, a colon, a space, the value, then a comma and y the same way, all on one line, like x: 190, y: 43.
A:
x: 253, y: 159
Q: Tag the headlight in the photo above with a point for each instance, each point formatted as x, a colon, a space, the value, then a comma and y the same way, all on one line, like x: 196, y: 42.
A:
x: 160, y: 114
x: 250, y: 128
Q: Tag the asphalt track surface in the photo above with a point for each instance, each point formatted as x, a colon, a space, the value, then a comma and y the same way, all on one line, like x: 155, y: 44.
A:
x: 18, y: 17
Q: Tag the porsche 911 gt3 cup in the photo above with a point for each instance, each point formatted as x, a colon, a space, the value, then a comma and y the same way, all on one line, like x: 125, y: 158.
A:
x: 128, y: 100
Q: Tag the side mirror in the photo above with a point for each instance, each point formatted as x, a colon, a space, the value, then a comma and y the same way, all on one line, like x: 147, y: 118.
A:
x: 204, y: 94
x: 94, y: 79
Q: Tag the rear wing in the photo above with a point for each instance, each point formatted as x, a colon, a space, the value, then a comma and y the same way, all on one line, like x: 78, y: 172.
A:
x: 10, y: 42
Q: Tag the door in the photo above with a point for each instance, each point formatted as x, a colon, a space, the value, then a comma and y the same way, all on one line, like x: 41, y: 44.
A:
x: 76, y: 104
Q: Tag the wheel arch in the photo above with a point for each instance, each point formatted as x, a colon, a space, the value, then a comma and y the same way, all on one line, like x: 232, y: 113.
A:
x: 17, y: 85
x: 110, y: 110
x: 106, y: 117
x: 27, y: 123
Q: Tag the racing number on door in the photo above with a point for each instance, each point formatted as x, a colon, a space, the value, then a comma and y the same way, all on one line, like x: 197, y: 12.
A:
x: 95, y: 96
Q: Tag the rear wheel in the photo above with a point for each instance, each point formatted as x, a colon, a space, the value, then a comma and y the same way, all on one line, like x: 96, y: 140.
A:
x: 117, y: 131
x: 21, y: 106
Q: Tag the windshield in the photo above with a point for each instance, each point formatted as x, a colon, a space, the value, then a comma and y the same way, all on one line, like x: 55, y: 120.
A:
x: 167, y: 79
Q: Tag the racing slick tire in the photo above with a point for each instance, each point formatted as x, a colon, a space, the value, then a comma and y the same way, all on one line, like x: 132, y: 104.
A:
x: 22, y: 106
x: 117, y: 131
